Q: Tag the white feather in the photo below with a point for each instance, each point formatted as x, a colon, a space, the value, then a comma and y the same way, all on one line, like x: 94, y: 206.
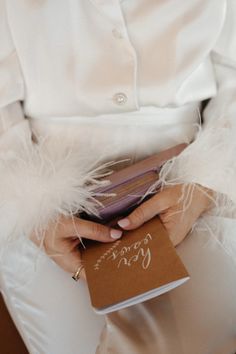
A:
x: 208, y: 161
x: 41, y: 181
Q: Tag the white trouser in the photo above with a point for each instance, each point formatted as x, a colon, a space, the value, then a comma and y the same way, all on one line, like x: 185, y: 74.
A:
x: 198, y: 317
x: 53, y: 313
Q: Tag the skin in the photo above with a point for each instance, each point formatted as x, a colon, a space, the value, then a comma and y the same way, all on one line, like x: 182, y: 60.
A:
x: 178, y: 215
x: 178, y: 207
x: 61, y: 240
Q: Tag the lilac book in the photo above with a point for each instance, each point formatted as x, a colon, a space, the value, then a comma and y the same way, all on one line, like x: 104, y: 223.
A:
x: 131, y: 185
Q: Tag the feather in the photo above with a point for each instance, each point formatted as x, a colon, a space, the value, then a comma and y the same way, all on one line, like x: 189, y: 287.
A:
x: 209, y: 161
x: 41, y: 181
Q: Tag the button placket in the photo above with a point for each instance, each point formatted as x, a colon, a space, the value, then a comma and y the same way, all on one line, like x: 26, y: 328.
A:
x: 112, y: 12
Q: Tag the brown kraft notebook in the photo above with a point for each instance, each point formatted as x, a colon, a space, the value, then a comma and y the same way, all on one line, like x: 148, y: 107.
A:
x: 141, y: 265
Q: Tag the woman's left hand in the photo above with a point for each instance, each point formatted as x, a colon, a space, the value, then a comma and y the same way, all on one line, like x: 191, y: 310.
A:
x: 178, y: 207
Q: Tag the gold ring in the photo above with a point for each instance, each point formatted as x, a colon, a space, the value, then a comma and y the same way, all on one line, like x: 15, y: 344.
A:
x: 76, y: 275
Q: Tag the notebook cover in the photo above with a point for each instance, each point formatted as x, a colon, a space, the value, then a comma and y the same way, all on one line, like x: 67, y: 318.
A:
x: 143, y: 259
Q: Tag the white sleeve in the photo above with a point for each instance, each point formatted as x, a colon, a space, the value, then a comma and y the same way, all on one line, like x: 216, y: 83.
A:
x: 210, y: 160
x: 37, y: 183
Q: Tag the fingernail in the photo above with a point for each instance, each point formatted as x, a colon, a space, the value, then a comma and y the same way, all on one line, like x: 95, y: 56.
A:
x: 123, y: 222
x: 115, y: 233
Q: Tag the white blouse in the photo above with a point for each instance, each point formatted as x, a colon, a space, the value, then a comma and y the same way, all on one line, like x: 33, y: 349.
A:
x: 94, y: 57
x: 123, y: 61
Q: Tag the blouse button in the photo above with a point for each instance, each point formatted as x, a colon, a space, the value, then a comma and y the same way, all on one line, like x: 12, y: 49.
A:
x: 116, y: 33
x: 120, y: 98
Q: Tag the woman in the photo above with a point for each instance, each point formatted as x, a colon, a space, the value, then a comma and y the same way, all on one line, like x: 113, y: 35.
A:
x: 86, y: 82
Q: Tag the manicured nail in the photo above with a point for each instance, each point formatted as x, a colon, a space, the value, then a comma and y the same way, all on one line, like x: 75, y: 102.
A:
x: 123, y: 222
x: 115, y: 233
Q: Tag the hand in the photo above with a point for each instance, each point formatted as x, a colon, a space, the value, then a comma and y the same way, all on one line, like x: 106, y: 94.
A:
x: 178, y: 207
x: 61, y: 240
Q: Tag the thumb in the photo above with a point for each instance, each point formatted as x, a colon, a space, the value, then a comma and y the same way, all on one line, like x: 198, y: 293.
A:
x: 146, y: 211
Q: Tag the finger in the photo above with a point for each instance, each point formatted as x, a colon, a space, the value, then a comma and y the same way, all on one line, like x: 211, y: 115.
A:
x: 146, y: 211
x: 178, y: 224
x: 69, y: 260
x: 75, y: 263
x: 93, y: 230
x: 173, y: 228
x: 67, y: 255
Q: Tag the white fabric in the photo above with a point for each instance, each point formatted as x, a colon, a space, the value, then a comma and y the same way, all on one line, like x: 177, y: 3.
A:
x: 70, y: 62
x: 51, y: 312
x: 198, y: 317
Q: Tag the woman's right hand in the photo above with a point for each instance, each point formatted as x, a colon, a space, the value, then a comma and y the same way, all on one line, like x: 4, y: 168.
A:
x: 61, y: 240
